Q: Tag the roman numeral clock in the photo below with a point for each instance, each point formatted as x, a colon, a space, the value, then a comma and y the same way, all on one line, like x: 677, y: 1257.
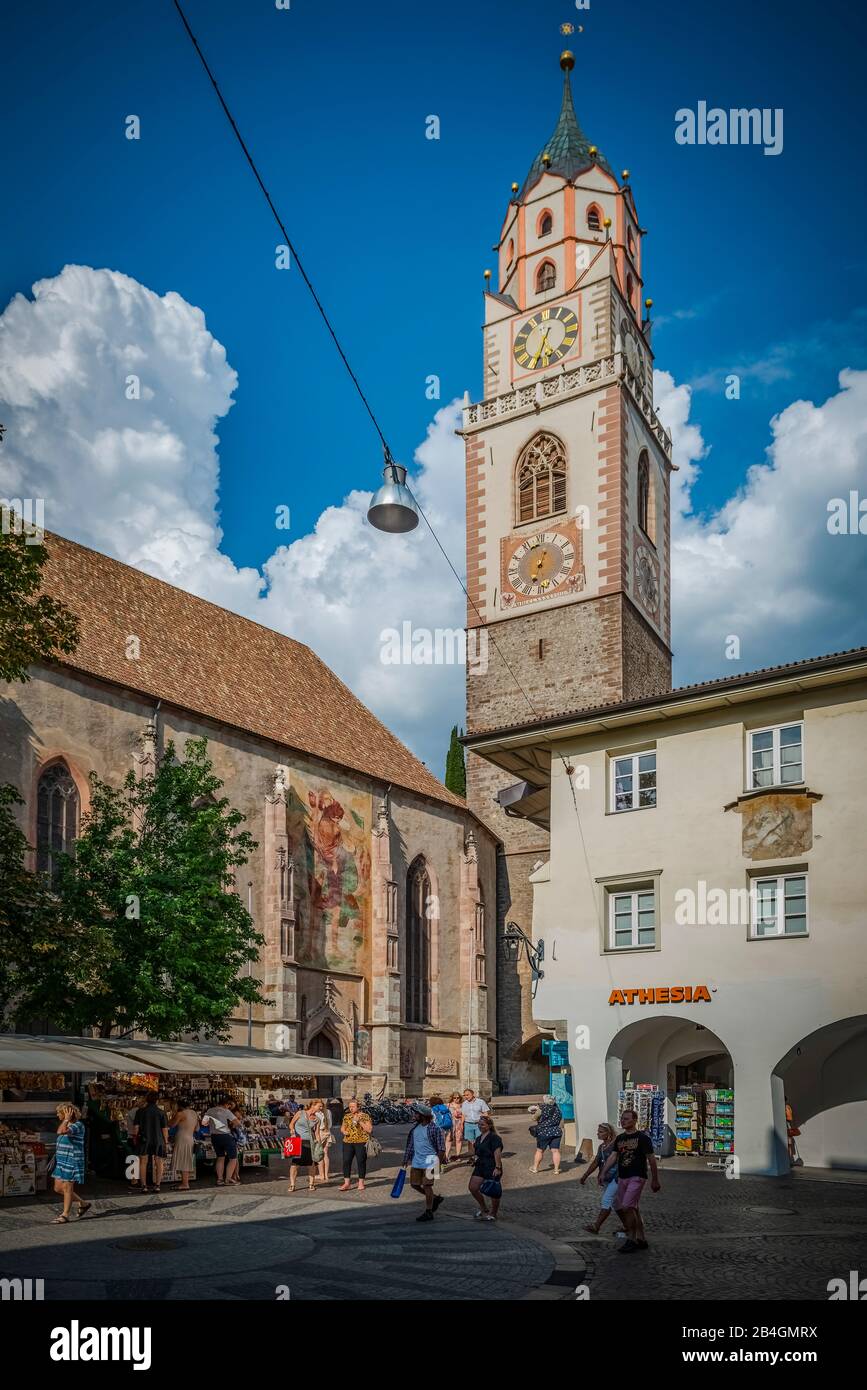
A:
x: 545, y: 337
x: 545, y: 565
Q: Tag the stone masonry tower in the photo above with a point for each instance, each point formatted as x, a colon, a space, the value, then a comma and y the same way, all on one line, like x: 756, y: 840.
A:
x: 567, y: 501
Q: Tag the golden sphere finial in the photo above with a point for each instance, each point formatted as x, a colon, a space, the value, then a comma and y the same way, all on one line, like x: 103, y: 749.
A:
x: 607, y: 222
x: 625, y: 174
x: 514, y: 188
x: 567, y: 60
x: 546, y: 159
x: 487, y: 275
x: 648, y: 303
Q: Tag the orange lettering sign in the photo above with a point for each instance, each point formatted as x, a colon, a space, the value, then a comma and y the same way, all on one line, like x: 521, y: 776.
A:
x: 662, y: 994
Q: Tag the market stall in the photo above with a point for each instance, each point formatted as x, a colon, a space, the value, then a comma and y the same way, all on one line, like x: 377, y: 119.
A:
x: 108, y: 1080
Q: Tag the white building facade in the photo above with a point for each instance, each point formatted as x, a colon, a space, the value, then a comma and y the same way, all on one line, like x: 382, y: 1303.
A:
x: 703, y: 910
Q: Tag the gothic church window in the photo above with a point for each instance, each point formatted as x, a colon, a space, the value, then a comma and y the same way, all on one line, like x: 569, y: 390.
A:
x: 541, y: 479
x: 646, y: 497
x: 418, y: 942
x: 546, y: 224
x: 57, y: 816
x: 594, y: 218
x: 546, y: 277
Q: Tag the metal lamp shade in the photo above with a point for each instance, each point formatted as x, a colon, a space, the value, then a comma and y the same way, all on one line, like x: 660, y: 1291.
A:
x: 393, y: 508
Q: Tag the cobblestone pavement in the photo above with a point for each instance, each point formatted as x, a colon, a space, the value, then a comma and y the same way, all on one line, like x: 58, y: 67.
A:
x: 711, y: 1239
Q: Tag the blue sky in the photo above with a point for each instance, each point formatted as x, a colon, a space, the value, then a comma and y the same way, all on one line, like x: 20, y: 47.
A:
x: 756, y: 264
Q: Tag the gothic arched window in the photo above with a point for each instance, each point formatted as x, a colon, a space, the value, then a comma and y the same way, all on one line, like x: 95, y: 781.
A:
x: 546, y: 224
x: 541, y: 479
x: 594, y: 218
x: 57, y: 814
x: 419, y: 907
x: 646, y: 498
x: 630, y: 290
x: 546, y: 277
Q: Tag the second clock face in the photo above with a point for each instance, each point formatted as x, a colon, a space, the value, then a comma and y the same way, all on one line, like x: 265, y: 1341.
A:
x: 541, y: 564
x: 546, y: 337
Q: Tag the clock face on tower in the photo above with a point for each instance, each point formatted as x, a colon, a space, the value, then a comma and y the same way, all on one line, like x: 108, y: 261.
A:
x: 646, y: 580
x: 539, y: 566
x: 546, y: 337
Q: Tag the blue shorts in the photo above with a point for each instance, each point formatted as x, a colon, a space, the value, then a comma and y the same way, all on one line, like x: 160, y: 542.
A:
x: 609, y: 1192
x: 471, y: 1131
x: 548, y: 1141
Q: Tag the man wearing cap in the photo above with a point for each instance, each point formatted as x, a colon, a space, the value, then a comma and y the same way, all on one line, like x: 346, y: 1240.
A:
x: 425, y: 1148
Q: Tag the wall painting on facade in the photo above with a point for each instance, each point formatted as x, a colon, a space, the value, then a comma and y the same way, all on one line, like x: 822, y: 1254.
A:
x: 329, y: 834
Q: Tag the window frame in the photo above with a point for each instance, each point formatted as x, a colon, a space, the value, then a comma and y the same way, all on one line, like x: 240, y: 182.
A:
x: 776, y: 751
x: 547, y: 264
x: 614, y: 759
x: 540, y: 231
x: 634, y: 891
x: 779, y: 879
x: 594, y: 208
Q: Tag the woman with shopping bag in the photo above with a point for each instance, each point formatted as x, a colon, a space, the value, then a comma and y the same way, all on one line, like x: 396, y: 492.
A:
x: 311, y: 1151
x: 487, y: 1176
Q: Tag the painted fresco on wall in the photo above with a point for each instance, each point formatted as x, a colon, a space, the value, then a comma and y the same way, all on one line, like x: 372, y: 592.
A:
x: 329, y: 834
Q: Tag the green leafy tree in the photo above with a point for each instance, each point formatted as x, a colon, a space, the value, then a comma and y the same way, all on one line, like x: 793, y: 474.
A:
x: 153, y: 936
x: 456, y: 768
x: 33, y: 626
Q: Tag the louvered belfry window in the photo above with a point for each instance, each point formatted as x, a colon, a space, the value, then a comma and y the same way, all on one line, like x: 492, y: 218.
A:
x: 541, y: 479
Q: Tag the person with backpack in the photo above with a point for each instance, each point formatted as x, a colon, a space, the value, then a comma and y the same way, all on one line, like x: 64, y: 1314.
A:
x: 443, y: 1118
x: 425, y: 1146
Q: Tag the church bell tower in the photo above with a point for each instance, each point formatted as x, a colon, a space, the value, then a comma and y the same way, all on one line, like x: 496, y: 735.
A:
x: 567, y: 472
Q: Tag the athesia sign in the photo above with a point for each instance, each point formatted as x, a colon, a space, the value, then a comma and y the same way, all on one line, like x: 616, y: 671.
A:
x: 666, y: 994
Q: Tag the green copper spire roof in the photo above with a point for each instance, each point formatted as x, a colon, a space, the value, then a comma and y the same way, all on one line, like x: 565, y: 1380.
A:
x: 568, y: 149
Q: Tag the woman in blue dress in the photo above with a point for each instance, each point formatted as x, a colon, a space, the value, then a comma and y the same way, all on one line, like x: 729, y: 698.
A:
x: 69, y: 1161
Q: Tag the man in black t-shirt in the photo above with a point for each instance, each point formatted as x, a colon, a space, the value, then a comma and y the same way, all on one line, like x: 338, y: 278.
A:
x: 633, y: 1154
x: 151, y: 1133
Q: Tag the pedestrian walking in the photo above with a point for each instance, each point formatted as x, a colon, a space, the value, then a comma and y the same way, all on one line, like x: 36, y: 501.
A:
x: 549, y: 1132
x: 443, y: 1117
x: 355, y: 1128
x: 633, y: 1153
x: 186, y: 1124
x: 152, y: 1142
x: 425, y: 1147
x: 606, y: 1134
x: 222, y: 1125
x: 457, y: 1134
x: 302, y: 1126
x: 320, y: 1117
x: 69, y: 1161
x: 472, y: 1109
x: 487, y: 1175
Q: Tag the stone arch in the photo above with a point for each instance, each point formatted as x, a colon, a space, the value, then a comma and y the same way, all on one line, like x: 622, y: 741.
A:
x: 825, y: 1080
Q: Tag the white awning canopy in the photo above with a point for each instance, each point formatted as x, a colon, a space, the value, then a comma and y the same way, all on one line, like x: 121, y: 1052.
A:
x: 23, y: 1052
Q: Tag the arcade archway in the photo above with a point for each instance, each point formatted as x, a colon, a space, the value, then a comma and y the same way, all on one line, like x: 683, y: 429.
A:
x: 679, y: 1074
x: 824, y: 1079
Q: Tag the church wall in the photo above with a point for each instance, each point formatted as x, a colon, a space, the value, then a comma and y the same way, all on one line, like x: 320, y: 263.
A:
x: 328, y: 930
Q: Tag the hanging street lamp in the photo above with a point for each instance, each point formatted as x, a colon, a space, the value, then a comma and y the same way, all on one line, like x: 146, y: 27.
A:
x: 393, y: 507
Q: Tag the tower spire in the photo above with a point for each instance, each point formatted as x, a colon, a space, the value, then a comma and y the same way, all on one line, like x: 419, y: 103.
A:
x: 568, y: 152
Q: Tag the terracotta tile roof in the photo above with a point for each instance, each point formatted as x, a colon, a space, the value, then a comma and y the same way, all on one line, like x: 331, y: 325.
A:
x: 807, y: 666
x: 208, y: 661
